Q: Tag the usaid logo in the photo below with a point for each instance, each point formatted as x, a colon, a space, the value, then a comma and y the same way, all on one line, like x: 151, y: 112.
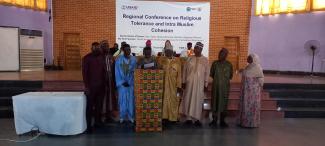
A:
x: 126, y: 7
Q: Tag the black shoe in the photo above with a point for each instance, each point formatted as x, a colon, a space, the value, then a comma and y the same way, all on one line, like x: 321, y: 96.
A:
x: 133, y: 123
x: 109, y: 120
x: 198, y: 123
x: 188, y: 122
x: 240, y: 126
x: 165, y: 122
x: 89, y: 130
x: 172, y: 122
x: 99, y: 125
x: 122, y: 122
x: 223, y: 124
x: 213, y: 123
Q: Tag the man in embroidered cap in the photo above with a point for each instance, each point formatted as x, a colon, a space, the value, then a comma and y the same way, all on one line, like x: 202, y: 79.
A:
x: 125, y: 66
x: 195, y: 81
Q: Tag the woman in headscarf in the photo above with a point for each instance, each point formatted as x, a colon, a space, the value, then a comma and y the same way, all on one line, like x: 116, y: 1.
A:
x: 251, y: 92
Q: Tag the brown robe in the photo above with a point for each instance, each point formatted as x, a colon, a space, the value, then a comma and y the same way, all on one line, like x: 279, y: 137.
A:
x: 93, y: 72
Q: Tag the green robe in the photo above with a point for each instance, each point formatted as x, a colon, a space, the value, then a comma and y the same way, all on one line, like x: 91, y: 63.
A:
x: 222, y: 73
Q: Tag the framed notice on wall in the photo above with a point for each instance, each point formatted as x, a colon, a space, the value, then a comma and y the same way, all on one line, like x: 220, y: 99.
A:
x: 9, y: 48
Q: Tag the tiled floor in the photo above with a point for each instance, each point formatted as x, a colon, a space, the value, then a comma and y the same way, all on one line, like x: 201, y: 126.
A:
x: 272, y: 132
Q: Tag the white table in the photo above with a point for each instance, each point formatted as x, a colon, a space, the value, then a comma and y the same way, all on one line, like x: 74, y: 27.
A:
x: 58, y: 113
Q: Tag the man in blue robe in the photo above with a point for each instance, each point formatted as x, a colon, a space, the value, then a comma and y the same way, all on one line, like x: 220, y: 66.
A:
x: 125, y: 66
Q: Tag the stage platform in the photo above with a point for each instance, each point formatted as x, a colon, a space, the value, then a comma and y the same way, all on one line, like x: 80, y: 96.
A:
x: 77, y: 76
x: 41, y: 76
x: 290, y: 96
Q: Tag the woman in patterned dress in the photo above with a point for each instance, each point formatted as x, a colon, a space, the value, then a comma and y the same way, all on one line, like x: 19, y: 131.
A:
x: 250, y: 97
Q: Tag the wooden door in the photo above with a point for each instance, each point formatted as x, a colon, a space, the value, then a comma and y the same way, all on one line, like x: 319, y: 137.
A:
x: 232, y: 44
x: 72, y: 51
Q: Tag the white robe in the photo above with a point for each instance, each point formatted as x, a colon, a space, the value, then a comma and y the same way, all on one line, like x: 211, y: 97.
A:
x: 195, y: 75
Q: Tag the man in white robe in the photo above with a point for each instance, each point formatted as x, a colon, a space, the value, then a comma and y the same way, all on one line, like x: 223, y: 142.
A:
x: 195, y: 81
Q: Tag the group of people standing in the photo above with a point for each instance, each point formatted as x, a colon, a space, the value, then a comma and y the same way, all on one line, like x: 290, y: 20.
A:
x: 185, y: 84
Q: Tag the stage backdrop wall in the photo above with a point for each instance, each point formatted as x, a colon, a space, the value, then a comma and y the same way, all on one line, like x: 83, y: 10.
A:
x: 95, y: 20
x: 30, y: 19
x: 179, y: 22
x: 279, y: 40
